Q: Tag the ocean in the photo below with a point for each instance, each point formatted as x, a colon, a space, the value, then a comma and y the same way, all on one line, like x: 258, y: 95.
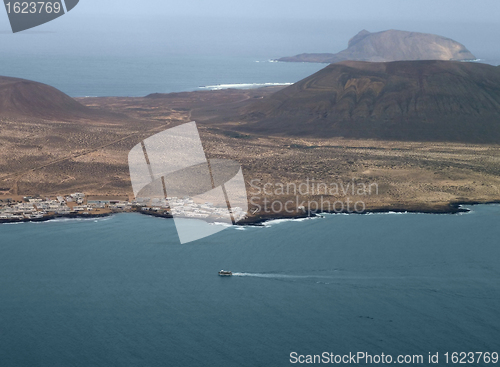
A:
x: 126, y: 75
x: 137, y: 76
x: 123, y: 291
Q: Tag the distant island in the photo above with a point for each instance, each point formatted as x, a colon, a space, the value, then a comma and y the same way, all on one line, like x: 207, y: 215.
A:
x: 391, y: 45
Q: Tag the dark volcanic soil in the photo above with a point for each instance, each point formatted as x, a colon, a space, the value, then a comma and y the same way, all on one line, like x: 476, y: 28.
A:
x: 404, y: 100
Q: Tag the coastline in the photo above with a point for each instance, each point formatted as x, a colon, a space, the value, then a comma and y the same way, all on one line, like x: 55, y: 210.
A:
x: 451, y: 208
x: 50, y: 217
x: 259, y: 220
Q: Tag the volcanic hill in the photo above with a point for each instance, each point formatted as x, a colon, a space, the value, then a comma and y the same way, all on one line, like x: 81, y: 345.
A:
x: 25, y: 98
x: 403, y: 100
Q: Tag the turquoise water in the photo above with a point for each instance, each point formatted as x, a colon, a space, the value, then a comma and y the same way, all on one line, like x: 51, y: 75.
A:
x: 122, y: 291
x: 137, y: 76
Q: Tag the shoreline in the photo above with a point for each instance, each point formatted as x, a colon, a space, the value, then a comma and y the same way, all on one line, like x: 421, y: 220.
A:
x: 55, y: 216
x: 450, y: 209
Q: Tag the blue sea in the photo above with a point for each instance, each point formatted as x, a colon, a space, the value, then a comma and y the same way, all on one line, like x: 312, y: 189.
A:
x: 123, y: 291
x: 126, y: 75
x: 137, y: 76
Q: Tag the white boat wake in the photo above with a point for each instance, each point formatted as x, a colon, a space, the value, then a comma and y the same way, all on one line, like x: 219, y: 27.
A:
x: 278, y: 276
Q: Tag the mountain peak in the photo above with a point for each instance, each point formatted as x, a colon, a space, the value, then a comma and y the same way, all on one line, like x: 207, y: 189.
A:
x: 358, y: 37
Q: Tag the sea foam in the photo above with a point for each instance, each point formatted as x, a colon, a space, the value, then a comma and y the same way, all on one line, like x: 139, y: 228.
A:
x: 241, y: 86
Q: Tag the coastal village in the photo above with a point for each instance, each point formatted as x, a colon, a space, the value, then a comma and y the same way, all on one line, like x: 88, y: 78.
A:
x: 74, y: 205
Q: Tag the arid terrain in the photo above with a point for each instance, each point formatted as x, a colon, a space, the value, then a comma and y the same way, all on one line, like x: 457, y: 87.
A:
x: 83, y: 154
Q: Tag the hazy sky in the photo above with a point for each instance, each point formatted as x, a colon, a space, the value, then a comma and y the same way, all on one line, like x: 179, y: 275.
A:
x: 266, y: 28
x: 475, y: 10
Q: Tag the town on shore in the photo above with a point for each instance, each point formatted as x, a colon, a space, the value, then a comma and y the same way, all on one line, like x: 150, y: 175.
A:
x: 35, y: 208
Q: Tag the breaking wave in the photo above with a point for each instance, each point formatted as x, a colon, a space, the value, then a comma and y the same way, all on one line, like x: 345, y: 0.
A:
x: 241, y: 86
x: 273, y: 222
x: 66, y: 220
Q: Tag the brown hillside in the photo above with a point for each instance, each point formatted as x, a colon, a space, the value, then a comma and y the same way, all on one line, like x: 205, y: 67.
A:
x: 25, y: 98
x: 405, y: 100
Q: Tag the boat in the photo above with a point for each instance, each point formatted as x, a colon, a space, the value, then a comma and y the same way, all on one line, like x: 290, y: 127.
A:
x: 225, y: 273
